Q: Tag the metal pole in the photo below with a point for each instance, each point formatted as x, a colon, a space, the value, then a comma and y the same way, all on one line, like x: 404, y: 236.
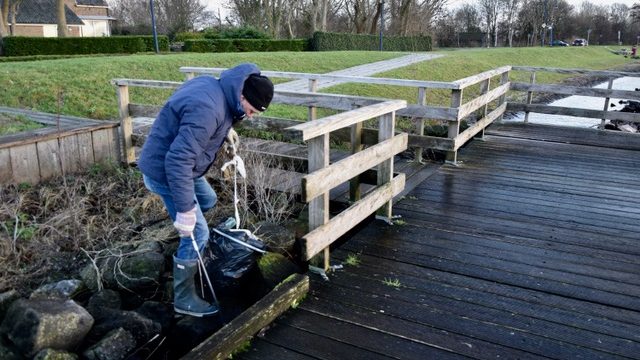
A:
x: 153, y: 26
x: 381, y: 23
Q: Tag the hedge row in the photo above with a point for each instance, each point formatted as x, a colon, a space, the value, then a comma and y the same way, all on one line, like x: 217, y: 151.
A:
x: 324, y: 41
x: 25, y: 46
x: 244, y: 45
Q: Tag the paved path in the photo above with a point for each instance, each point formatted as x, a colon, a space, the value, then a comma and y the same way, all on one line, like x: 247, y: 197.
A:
x: 360, y: 70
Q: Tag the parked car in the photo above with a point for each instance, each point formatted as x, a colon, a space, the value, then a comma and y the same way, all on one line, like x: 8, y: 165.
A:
x: 580, y: 42
x: 559, y: 43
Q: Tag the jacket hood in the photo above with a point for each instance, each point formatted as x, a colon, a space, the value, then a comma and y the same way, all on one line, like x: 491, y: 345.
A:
x: 232, y: 82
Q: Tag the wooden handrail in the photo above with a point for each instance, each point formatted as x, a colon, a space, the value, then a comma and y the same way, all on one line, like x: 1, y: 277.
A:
x: 312, y: 129
x: 607, y: 73
x: 472, y: 80
x: 575, y: 90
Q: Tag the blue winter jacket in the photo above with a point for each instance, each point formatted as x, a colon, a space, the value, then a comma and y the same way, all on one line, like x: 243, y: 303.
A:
x: 190, y: 129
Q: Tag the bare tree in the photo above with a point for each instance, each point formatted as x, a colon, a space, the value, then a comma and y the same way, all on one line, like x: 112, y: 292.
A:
x: 62, y: 19
x: 511, y: 8
x: 489, y: 10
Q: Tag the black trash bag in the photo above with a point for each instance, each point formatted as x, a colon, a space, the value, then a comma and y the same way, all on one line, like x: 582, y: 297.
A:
x: 232, y: 265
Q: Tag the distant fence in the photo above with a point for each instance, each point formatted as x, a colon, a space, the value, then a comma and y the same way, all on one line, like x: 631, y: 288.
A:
x: 37, y: 155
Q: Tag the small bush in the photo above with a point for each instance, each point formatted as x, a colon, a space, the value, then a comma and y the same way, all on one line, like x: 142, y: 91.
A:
x: 244, y: 45
x: 323, y: 41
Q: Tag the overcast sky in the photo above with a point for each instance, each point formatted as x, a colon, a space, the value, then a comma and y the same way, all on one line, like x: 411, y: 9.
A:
x: 215, y: 4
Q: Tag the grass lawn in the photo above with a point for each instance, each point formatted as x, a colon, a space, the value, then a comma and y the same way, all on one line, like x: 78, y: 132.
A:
x: 83, y: 84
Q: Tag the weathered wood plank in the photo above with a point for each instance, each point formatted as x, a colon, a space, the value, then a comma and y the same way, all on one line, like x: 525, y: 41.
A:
x: 49, y: 133
x: 558, y: 110
x: 5, y: 166
x: 532, y: 81
x: 386, y: 129
x: 575, y: 90
x: 85, y: 149
x: 323, y: 236
x: 482, y: 100
x: 222, y: 344
x: 101, y: 141
x: 331, y: 123
x: 431, y: 142
x: 474, y: 79
x: 126, y: 125
x: 479, y: 126
x: 572, y: 135
x: 454, y: 127
x: 70, y: 154
x: 24, y: 163
x: 325, y: 179
x: 48, y: 158
x: 147, y: 83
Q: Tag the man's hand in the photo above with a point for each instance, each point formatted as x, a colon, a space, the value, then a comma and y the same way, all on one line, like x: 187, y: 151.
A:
x: 233, y: 139
x: 185, y: 222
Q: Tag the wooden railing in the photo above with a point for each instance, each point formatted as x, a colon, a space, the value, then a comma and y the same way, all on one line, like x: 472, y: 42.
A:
x: 420, y: 111
x: 323, y: 176
x: 604, y: 114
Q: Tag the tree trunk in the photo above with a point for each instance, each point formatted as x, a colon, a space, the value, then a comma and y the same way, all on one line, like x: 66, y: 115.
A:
x: 62, y: 19
x: 324, y: 9
x: 405, y: 8
x: 376, y: 19
x: 14, y: 14
x: 4, y: 17
x: 314, y: 15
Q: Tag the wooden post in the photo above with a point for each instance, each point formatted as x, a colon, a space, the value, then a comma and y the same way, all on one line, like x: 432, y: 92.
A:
x: 318, y: 157
x: 313, y: 87
x: 188, y: 76
x: 482, y: 113
x: 606, y: 106
x: 126, y: 125
x: 529, y: 96
x: 386, y: 129
x: 504, y: 78
x: 356, y: 146
x: 422, y: 100
x: 454, y: 126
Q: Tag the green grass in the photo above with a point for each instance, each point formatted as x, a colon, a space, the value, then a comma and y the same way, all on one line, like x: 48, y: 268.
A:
x: 10, y: 124
x: 462, y: 63
x: 84, y: 83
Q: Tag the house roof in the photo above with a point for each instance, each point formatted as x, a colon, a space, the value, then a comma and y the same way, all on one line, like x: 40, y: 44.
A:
x: 92, y: 3
x: 43, y: 12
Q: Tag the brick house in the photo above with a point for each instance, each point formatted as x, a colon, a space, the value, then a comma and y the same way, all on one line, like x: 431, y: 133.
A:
x: 85, y: 18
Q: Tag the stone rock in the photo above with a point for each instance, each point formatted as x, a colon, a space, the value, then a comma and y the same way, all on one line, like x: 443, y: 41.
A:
x: 277, y: 237
x: 140, y: 327
x: 106, y: 298
x: 158, y: 312
x: 114, y: 346
x: 6, y: 299
x: 63, y: 290
x: 138, y: 273
x: 36, y: 324
x: 8, y: 351
x: 275, y: 268
x: 52, y: 354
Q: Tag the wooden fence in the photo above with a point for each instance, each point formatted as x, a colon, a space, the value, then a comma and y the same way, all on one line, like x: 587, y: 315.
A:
x: 32, y: 156
x: 419, y: 112
x: 604, y: 114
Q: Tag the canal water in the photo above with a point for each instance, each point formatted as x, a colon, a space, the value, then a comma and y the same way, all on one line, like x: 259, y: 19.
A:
x: 583, y: 102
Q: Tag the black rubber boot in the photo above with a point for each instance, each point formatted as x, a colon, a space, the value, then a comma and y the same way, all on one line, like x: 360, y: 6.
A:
x: 185, y: 299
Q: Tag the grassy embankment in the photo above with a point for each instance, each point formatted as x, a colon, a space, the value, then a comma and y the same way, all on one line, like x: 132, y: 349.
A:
x: 84, y: 83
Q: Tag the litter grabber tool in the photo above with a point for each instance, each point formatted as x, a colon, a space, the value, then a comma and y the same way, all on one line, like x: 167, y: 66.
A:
x: 203, y: 268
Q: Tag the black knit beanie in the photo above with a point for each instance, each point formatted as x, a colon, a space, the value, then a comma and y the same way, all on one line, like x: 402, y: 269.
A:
x: 258, y: 90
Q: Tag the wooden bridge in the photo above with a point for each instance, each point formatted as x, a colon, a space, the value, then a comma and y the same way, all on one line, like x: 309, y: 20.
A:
x: 527, y: 249
x: 523, y: 245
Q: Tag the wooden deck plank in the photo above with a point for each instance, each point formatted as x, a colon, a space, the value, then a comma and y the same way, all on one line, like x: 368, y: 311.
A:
x: 486, y: 310
x: 528, y: 249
